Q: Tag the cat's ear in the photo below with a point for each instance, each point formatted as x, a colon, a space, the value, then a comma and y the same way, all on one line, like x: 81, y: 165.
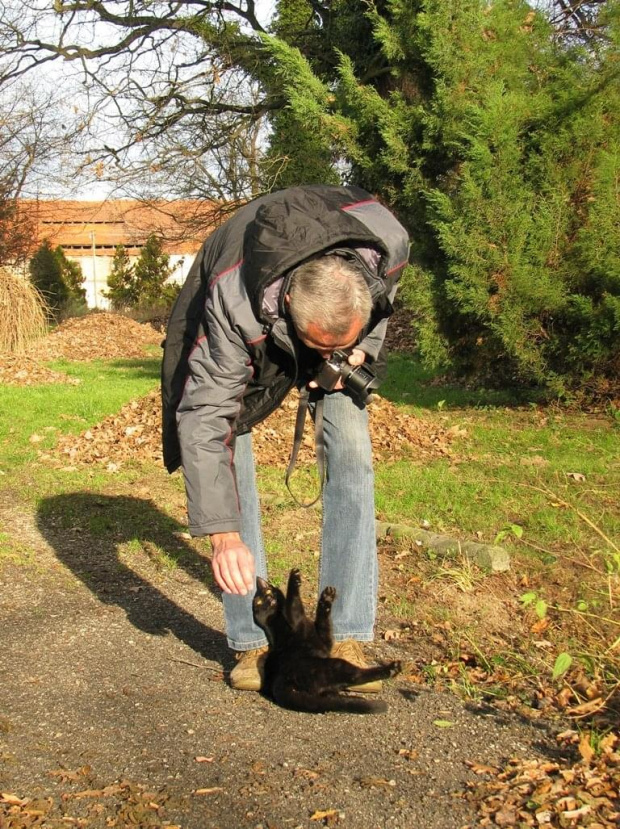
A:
x: 261, y: 584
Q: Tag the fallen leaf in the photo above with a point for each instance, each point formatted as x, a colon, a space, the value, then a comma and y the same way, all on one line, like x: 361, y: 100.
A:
x: 585, y: 747
x: 505, y: 817
x: 478, y: 768
x: 204, y: 759
x: 576, y: 476
x: 327, y: 814
x: 574, y: 814
x: 443, y: 723
x: 587, y: 708
x: 211, y: 790
x: 376, y: 782
x: 5, y: 797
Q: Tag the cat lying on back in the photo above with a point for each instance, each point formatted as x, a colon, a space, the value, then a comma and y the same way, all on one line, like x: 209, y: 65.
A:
x: 299, y: 672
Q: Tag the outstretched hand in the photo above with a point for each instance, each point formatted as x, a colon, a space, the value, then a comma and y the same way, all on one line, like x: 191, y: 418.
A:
x: 232, y: 563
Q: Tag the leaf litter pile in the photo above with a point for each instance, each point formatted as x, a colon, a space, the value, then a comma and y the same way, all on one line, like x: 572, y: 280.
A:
x: 25, y: 371
x: 553, y: 793
x: 98, y: 336
x: 135, y: 432
x: 85, y: 802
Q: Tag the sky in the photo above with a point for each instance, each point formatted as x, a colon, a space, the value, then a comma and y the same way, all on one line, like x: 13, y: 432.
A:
x: 62, y: 76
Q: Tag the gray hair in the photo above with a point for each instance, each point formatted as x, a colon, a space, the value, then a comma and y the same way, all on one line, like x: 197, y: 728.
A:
x: 331, y: 293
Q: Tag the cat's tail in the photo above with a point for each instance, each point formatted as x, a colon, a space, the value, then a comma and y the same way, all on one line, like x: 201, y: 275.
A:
x: 322, y: 703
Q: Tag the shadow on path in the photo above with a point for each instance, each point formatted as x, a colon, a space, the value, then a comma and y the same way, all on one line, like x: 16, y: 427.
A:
x: 86, y: 530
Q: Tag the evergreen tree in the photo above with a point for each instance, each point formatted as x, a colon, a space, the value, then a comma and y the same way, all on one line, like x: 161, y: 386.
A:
x: 72, y: 276
x: 122, y: 291
x: 151, y: 272
x: 497, y: 145
x: 297, y: 155
x: 144, y: 283
x: 46, y: 276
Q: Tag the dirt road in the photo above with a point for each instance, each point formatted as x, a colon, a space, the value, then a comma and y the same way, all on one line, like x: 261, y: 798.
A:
x: 115, y: 712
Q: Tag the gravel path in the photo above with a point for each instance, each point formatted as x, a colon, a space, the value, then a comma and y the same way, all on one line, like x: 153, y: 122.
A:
x: 115, y: 712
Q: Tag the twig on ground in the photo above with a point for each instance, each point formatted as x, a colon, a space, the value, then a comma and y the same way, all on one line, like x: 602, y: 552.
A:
x: 587, y: 564
x: 219, y: 670
x: 585, y: 613
x: 583, y: 516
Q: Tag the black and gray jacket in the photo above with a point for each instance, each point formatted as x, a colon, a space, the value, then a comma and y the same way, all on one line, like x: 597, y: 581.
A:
x: 231, y: 353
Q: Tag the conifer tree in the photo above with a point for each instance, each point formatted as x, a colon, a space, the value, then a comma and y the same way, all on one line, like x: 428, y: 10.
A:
x: 72, y: 276
x: 122, y: 291
x: 46, y: 275
x: 497, y: 145
x: 142, y: 284
x: 151, y: 272
x: 296, y: 155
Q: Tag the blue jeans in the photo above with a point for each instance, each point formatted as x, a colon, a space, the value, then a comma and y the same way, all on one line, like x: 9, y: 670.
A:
x: 348, y: 547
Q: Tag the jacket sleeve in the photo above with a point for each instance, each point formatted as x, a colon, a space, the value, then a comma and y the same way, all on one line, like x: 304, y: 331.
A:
x: 219, y: 370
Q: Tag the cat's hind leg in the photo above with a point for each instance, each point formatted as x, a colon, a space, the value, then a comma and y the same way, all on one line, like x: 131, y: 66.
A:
x: 344, y: 674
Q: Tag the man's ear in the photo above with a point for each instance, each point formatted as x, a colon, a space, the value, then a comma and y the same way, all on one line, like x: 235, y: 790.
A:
x: 287, y: 300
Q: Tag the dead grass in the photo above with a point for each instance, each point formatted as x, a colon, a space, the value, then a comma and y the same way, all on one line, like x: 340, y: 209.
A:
x: 23, y: 313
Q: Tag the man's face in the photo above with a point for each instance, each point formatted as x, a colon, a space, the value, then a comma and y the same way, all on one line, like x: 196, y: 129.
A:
x: 314, y: 337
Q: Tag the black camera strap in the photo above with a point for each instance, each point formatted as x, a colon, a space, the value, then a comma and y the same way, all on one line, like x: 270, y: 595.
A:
x: 302, y: 410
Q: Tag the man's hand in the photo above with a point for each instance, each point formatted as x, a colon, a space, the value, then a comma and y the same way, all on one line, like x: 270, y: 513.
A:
x: 232, y: 563
x: 356, y: 357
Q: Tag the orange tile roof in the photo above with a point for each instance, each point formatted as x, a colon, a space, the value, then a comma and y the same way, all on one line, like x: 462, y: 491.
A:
x: 76, y: 225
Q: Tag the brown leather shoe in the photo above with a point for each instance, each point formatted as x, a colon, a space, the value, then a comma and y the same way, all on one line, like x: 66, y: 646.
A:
x: 247, y: 675
x: 352, y: 651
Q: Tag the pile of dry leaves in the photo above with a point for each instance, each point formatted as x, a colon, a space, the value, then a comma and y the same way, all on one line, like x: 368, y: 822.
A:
x: 98, y: 336
x: 24, y: 371
x: 554, y: 793
x: 135, y: 434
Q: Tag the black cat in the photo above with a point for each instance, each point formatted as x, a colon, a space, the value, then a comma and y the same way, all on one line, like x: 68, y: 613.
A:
x: 299, y: 672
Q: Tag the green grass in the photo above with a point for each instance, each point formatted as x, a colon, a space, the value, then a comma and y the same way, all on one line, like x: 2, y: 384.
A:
x: 508, y: 467
x: 31, y: 417
x: 409, y: 382
x: 14, y: 551
x: 552, y: 473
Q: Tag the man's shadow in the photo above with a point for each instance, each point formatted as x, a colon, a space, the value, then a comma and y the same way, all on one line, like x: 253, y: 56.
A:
x: 86, y: 530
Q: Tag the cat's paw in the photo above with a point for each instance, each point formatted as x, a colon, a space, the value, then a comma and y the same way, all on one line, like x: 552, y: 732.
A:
x: 295, y: 576
x: 265, y: 599
x: 395, y: 667
x: 328, y: 595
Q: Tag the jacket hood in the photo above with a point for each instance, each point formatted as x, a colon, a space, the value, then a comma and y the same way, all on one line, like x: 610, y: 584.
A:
x: 306, y: 222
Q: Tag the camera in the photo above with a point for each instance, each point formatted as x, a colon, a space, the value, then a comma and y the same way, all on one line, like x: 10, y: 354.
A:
x: 359, y: 381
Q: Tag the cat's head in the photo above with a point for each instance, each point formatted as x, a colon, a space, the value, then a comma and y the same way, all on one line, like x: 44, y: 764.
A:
x: 267, y: 602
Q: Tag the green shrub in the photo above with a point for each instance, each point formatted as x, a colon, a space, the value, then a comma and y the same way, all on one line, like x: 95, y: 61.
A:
x: 47, y: 277
x: 143, y: 286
